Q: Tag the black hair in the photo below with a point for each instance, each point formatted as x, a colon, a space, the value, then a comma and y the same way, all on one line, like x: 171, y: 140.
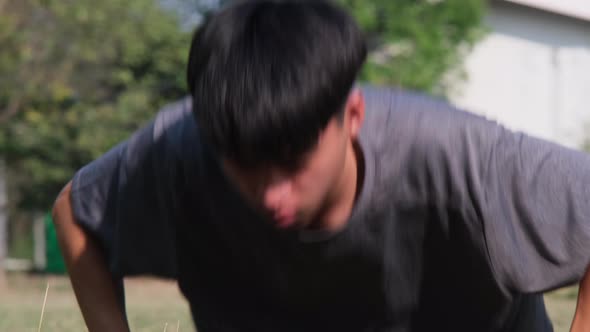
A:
x: 266, y: 77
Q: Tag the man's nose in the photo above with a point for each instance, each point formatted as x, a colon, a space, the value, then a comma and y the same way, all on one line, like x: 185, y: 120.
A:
x: 276, y: 193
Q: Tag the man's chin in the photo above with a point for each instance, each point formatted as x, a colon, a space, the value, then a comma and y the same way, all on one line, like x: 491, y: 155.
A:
x: 292, y: 224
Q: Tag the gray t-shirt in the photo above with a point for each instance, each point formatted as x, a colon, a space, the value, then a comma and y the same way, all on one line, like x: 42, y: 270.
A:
x: 459, y: 226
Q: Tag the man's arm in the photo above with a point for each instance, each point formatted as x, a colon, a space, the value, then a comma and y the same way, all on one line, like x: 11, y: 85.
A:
x: 538, y: 217
x: 581, y: 320
x: 537, y: 213
x: 528, y: 197
x: 93, y: 284
x: 115, y: 218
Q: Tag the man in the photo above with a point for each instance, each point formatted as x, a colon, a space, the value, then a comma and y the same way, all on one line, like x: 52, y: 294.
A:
x: 282, y: 197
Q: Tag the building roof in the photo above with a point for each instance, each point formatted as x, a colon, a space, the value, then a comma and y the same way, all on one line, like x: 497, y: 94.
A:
x: 579, y: 9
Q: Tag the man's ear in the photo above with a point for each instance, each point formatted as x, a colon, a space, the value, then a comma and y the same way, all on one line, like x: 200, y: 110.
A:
x: 355, y: 111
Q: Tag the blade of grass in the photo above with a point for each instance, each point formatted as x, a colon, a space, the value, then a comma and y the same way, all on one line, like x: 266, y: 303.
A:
x: 43, y: 308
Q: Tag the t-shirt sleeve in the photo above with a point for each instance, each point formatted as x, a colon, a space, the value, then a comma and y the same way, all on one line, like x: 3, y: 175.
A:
x: 536, y: 211
x: 524, y: 202
x: 126, y: 200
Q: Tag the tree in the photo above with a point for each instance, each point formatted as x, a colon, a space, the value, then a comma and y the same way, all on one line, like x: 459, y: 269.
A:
x: 415, y: 44
x: 81, y: 75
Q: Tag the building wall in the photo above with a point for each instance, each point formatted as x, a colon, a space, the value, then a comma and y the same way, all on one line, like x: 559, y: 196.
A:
x: 531, y: 73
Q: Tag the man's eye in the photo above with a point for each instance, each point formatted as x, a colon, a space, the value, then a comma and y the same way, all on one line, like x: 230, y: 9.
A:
x: 297, y: 165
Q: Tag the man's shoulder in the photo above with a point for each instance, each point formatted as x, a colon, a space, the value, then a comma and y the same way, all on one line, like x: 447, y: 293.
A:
x: 396, y: 116
x: 173, y: 115
x: 413, y: 135
x: 176, y: 130
x: 400, y: 106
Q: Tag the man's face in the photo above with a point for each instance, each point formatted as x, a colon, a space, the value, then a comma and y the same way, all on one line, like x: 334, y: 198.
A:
x: 294, y: 198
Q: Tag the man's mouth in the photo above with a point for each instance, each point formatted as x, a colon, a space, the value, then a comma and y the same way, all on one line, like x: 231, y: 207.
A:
x: 284, y: 219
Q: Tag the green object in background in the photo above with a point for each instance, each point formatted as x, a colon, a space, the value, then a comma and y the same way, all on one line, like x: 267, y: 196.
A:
x: 55, y: 261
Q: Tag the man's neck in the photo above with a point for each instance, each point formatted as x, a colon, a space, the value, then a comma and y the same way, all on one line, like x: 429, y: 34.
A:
x: 345, y: 193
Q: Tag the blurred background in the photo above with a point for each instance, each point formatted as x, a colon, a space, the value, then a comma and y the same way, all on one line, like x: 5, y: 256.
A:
x: 78, y: 76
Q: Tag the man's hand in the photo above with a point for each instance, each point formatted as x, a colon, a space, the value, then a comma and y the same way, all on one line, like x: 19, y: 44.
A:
x: 91, y: 280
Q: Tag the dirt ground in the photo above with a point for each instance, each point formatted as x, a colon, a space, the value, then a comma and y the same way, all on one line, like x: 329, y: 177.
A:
x: 152, y: 305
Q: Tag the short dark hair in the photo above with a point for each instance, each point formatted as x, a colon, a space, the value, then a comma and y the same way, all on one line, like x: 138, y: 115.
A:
x: 266, y: 77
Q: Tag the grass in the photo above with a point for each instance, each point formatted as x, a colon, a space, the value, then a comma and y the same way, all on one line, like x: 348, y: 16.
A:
x: 152, y: 305
x: 43, y: 308
x: 561, y: 305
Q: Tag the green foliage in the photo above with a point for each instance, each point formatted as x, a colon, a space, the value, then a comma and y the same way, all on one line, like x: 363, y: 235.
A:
x: 415, y: 43
x: 82, y: 76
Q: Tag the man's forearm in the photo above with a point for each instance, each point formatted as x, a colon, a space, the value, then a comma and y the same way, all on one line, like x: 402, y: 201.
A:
x: 91, y: 280
x: 581, y: 322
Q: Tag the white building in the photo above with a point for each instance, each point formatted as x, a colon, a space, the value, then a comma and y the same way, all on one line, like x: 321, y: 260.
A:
x: 532, y: 71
